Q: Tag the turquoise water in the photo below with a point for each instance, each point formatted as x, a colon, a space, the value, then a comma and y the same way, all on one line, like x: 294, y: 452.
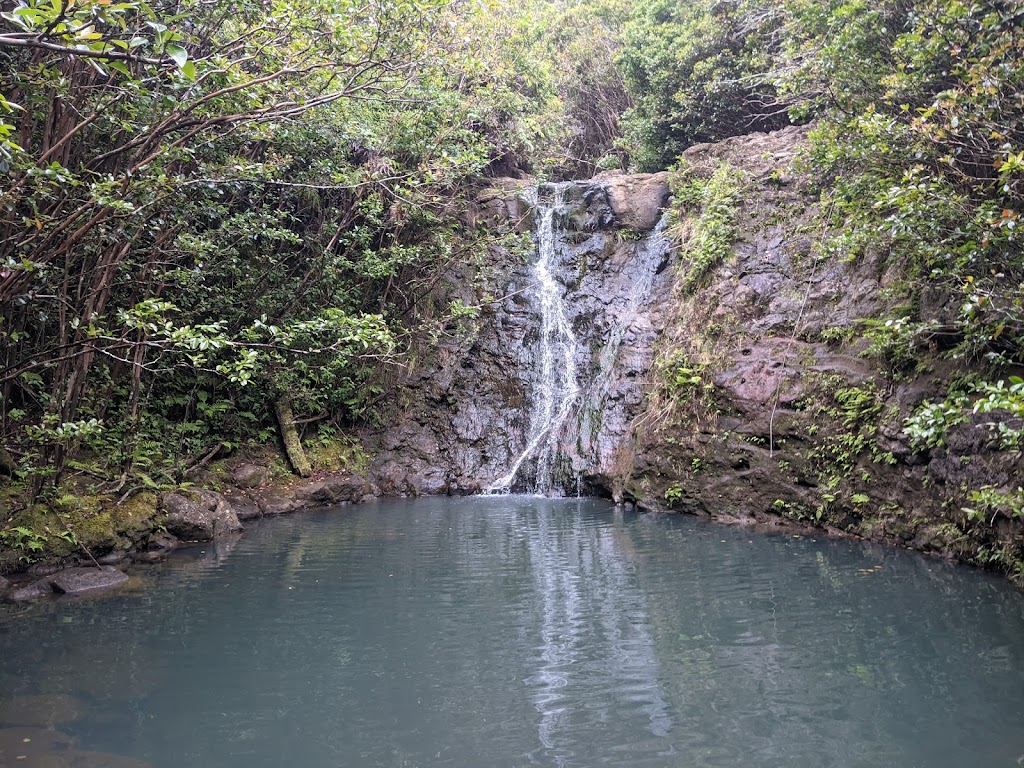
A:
x: 519, y: 631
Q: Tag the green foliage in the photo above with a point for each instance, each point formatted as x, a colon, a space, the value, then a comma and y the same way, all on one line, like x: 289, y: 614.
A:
x: 681, y: 378
x: 894, y: 344
x: 332, y: 451
x: 691, y: 70
x: 673, y: 495
x: 929, y: 425
x: 213, y: 205
x: 857, y: 405
x: 931, y: 422
x: 707, y: 240
x: 855, y: 410
x: 28, y: 541
x: 836, y: 56
x: 917, y: 153
x: 582, y: 40
x: 990, y: 502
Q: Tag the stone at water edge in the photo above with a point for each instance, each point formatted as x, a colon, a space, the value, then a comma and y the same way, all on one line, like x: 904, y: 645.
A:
x: 278, y: 501
x: 33, y: 591
x: 4, y: 584
x: 192, y: 521
x: 44, y: 568
x: 244, y: 507
x: 113, y: 557
x: 78, y: 581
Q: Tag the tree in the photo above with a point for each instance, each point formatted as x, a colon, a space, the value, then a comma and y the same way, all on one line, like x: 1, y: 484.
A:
x: 694, y: 72
x: 143, y: 135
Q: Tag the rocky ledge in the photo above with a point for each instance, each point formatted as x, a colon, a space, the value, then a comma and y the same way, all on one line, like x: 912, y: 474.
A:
x: 247, y: 491
x: 69, y: 581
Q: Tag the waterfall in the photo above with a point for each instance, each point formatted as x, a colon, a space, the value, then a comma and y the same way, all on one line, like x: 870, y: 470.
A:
x: 557, y: 387
x: 649, y: 252
x: 588, y: 337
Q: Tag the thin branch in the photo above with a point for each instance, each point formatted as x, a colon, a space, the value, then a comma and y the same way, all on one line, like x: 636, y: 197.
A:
x: 35, y: 41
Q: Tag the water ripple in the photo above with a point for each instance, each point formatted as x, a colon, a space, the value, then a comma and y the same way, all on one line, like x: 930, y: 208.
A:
x: 515, y: 631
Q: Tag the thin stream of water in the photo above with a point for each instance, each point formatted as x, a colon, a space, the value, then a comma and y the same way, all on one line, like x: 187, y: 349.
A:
x: 556, y: 388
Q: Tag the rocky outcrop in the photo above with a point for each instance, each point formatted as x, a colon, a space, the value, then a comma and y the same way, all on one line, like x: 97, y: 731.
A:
x: 80, y: 581
x: 468, y: 410
x: 751, y: 394
x: 792, y: 418
x: 283, y: 498
x: 638, y: 199
x: 199, y: 518
x: 67, y: 581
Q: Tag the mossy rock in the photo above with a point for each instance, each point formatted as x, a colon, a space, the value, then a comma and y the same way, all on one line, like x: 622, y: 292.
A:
x: 96, y: 522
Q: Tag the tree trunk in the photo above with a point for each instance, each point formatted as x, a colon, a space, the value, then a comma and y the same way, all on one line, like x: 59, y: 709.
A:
x: 290, y: 437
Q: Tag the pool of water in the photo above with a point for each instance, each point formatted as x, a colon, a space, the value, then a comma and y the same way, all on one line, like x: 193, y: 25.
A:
x: 520, y: 631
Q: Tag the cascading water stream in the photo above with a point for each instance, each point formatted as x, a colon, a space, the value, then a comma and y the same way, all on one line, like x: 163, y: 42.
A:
x: 648, y: 253
x: 557, y: 387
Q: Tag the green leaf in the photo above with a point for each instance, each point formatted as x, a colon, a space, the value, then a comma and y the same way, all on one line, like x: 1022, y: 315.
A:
x: 177, y: 53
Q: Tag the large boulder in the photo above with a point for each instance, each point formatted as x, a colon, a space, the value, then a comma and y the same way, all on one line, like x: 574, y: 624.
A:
x: 326, y: 492
x: 332, y: 490
x: 79, y: 581
x: 637, y: 199
x: 200, y: 519
x: 245, y: 507
x: 278, y: 501
x: 250, y: 476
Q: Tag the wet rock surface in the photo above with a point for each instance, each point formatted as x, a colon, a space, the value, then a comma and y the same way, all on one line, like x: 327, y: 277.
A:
x: 31, y: 591
x: 201, y: 518
x: 68, y: 581
x: 469, y: 409
x: 80, y: 581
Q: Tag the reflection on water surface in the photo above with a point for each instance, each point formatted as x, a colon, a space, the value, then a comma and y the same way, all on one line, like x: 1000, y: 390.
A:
x: 518, y: 631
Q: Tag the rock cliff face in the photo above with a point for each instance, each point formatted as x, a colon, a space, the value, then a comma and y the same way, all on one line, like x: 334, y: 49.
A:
x: 797, y: 417
x: 744, y: 388
x: 539, y: 392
